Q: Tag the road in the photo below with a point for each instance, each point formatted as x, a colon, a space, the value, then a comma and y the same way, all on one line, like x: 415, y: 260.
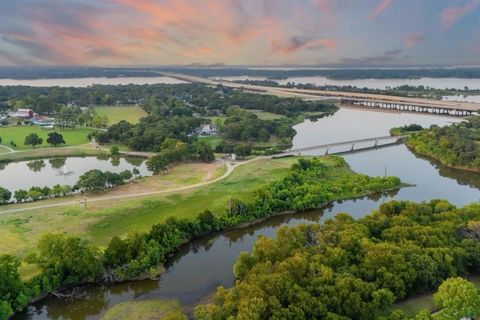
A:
x: 231, y: 166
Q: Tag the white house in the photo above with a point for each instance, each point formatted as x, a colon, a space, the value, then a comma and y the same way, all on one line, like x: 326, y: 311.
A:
x: 208, y: 130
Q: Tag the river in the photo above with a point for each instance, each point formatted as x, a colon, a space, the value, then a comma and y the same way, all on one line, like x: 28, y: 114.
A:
x: 199, y: 267
x: 437, y: 83
x: 85, y: 82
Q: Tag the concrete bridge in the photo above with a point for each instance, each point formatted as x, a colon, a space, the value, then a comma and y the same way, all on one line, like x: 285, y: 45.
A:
x: 374, y: 142
x: 362, y: 100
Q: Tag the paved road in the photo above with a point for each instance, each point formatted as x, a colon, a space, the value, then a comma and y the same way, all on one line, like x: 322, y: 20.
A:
x: 230, y: 168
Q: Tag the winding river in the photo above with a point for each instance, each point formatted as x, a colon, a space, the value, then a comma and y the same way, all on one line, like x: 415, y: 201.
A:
x: 199, y: 267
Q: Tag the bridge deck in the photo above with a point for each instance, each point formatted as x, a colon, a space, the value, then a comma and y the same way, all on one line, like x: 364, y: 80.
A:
x: 344, y: 143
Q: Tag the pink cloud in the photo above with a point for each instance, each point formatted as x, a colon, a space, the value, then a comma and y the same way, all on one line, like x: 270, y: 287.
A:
x: 380, y: 8
x: 296, y: 44
x: 411, y: 39
x: 451, y: 15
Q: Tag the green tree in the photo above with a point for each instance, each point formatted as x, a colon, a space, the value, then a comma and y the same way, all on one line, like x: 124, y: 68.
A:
x: 11, y: 290
x: 33, y: 140
x: 5, y: 195
x: 55, y: 139
x: 457, y: 298
x: 114, y: 150
x: 92, y: 181
x: 66, y: 260
x: 20, y: 195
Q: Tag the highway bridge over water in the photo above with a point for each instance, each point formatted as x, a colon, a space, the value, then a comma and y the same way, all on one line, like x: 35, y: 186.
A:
x: 352, y: 145
x: 354, y: 99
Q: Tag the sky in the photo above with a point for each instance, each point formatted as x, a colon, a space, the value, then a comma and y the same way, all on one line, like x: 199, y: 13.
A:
x: 240, y: 32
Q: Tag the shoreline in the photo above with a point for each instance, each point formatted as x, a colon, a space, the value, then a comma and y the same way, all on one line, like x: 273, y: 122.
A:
x: 432, y: 157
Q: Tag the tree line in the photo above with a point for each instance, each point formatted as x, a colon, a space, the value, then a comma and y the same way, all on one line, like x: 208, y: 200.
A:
x: 67, y: 260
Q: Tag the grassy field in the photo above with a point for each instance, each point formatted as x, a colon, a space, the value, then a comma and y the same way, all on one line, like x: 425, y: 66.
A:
x: 17, y: 134
x: 102, y: 220
x: 40, y: 153
x: 263, y: 115
x: 212, y: 141
x: 131, y: 114
x: 146, y: 310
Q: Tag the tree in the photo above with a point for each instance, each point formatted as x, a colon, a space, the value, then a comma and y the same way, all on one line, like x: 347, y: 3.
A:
x: 5, y: 195
x: 20, y: 195
x: 11, y: 290
x: 92, y: 181
x: 55, y: 139
x: 66, y: 260
x: 33, y: 140
x: 114, y: 150
x: 136, y: 172
x: 457, y: 298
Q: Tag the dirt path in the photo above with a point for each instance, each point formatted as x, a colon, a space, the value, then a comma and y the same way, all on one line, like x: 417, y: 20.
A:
x: 231, y: 166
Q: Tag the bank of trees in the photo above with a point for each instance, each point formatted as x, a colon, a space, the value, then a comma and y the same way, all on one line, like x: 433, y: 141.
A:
x: 174, y: 151
x: 309, y: 184
x: 455, y: 145
x: 97, y: 180
x: 353, y: 269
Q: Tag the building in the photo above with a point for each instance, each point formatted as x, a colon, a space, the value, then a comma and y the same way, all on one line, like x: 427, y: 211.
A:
x: 24, y: 113
x: 207, y: 130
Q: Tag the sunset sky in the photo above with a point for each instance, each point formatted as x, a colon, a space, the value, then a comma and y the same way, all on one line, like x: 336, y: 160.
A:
x: 239, y: 32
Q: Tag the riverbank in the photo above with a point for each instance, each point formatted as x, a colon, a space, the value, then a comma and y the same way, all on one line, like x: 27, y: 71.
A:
x: 412, y: 148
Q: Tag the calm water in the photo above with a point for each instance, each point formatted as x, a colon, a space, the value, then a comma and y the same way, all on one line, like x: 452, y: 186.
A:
x: 49, y: 172
x: 474, y: 98
x: 438, y: 83
x: 85, y: 82
x: 194, y: 273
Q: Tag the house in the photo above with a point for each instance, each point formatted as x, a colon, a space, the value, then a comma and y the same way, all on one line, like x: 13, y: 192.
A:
x: 207, y: 130
x: 24, y: 113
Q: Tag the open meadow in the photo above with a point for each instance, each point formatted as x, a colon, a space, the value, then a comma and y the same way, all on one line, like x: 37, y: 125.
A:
x: 116, y: 114
x: 17, y: 134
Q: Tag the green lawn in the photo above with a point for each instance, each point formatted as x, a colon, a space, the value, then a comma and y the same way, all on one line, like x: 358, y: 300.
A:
x: 131, y: 114
x: 17, y: 134
x: 212, y: 141
x: 263, y: 115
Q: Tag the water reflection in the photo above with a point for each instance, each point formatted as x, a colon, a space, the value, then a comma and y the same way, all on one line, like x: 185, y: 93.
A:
x: 36, y: 165
x: 57, y: 163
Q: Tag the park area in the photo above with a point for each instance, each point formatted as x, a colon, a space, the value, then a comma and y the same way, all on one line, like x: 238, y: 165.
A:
x: 17, y: 134
x: 116, y: 114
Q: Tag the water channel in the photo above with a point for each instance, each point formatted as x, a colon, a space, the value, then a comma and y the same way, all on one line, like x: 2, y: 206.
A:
x: 198, y: 268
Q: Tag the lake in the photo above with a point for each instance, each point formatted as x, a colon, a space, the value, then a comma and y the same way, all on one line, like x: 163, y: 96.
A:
x: 85, y: 82
x: 202, y: 265
x: 438, y: 83
x: 63, y: 171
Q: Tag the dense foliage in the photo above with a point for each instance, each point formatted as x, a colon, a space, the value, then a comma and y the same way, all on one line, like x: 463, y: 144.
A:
x: 68, y: 260
x: 351, y: 269
x: 455, y: 145
x: 406, y: 129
